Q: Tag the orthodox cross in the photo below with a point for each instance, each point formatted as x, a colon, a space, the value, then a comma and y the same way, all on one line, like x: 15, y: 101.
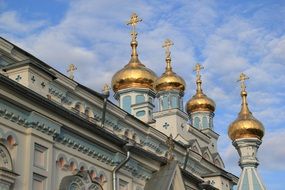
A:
x: 167, y: 44
x: 133, y: 22
x: 198, y: 68
x: 106, y: 89
x: 170, y: 144
x: 71, y: 69
x: 242, y: 79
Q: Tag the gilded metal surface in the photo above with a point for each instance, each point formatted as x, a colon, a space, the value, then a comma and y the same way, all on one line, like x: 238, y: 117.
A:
x: 199, y: 102
x: 134, y: 20
x: 134, y: 74
x: 169, y: 80
x: 245, y: 126
x: 133, y: 77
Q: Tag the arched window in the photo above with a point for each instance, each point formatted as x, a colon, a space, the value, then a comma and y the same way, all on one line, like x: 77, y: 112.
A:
x: 81, y: 180
x: 174, y: 102
x: 205, y: 122
x: 196, y: 122
x: 165, y: 103
x: 8, y: 176
x: 140, y: 99
x: 127, y: 103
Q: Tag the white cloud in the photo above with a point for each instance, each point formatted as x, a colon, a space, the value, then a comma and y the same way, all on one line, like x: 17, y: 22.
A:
x: 272, y: 153
x: 10, y: 21
x: 92, y: 36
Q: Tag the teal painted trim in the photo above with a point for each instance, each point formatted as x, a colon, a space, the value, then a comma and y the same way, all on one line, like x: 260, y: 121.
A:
x: 26, y: 119
x: 244, y: 183
x: 87, y: 147
x: 9, y: 107
x: 37, y: 119
x: 255, y: 182
x: 153, y: 144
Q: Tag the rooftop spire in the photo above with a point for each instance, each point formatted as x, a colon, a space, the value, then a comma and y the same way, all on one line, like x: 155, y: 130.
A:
x: 244, y: 106
x: 134, y: 20
x: 167, y: 44
x: 198, y: 68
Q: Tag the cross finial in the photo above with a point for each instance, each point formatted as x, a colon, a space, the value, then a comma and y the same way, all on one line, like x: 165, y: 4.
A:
x: 106, y: 89
x: 134, y: 20
x: 198, y: 68
x: 242, y: 79
x: 167, y: 44
x: 71, y: 69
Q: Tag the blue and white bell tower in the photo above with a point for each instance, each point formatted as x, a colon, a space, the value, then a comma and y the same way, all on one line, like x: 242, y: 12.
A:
x: 134, y: 84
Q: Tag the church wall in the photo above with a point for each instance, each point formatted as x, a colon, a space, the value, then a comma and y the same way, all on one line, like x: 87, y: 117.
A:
x: 48, y: 141
x: 220, y: 182
x: 31, y: 155
x: 48, y: 167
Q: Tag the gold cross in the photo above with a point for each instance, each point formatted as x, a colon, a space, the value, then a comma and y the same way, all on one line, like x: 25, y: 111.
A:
x: 242, y: 79
x: 106, y: 89
x: 134, y: 20
x: 198, y: 68
x: 71, y: 69
x: 167, y: 44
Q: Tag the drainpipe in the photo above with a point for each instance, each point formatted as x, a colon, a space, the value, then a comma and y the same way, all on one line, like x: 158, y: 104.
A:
x: 117, y: 168
x: 106, y: 94
x: 187, y: 157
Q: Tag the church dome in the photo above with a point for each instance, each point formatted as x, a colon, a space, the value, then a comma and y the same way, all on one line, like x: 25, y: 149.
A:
x: 200, y: 102
x: 134, y: 74
x: 169, y: 80
x: 245, y: 126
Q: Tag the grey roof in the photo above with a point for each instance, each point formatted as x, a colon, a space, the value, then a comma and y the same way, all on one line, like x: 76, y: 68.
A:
x: 165, y: 177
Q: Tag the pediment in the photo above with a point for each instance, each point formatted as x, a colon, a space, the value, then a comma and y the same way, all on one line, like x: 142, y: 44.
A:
x: 169, y: 177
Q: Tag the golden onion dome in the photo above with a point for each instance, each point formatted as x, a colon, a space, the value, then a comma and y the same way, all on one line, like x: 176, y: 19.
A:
x: 169, y: 80
x: 200, y: 102
x: 245, y: 126
x: 134, y: 74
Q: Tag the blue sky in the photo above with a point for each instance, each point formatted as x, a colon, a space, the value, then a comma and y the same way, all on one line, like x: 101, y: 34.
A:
x: 228, y: 37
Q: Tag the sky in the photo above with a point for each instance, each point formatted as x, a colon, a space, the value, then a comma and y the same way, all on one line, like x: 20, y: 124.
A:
x: 227, y: 37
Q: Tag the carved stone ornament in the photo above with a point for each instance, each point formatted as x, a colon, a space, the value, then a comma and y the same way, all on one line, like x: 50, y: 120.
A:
x: 80, y: 181
x: 7, y: 175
